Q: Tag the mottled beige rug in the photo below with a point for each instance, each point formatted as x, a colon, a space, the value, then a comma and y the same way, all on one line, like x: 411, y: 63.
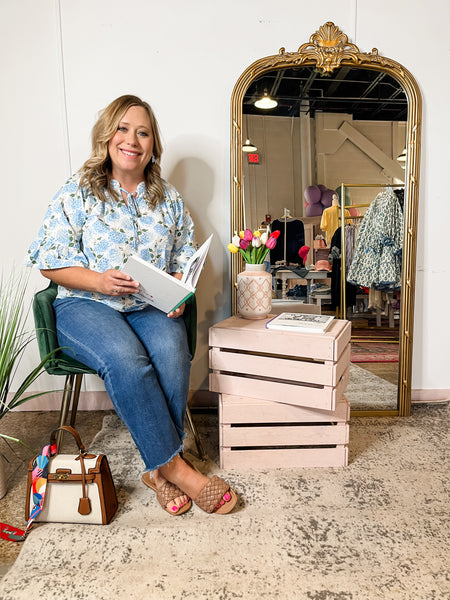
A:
x: 378, y: 528
x: 366, y: 391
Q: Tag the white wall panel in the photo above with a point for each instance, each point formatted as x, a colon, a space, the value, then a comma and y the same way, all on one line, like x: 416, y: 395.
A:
x: 33, y: 153
x: 409, y: 33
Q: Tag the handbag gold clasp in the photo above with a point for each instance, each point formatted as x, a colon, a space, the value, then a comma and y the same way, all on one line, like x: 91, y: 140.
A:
x: 61, y: 476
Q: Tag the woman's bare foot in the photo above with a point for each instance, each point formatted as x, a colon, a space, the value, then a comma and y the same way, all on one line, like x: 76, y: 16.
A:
x: 178, y: 502
x: 188, y: 479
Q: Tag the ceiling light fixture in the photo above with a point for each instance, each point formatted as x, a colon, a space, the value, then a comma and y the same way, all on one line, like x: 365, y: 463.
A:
x: 249, y: 147
x: 266, y: 102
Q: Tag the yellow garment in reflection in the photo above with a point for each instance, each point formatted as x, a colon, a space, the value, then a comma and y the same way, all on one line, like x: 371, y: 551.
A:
x: 330, y: 221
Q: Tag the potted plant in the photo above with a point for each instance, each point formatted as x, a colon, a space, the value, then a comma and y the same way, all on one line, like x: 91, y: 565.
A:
x: 14, y: 339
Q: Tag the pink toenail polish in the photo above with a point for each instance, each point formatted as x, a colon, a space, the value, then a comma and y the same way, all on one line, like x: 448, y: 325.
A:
x: 227, y: 497
x: 174, y: 508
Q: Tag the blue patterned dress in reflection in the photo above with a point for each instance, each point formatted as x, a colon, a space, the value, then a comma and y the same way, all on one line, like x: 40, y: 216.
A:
x: 377, y: 259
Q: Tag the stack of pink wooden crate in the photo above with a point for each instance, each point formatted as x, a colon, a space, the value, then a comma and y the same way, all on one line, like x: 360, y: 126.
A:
x: 281, y: 394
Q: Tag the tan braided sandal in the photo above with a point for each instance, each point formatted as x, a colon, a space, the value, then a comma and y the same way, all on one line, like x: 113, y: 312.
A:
x: 167, y: 493
x: 216, y: 497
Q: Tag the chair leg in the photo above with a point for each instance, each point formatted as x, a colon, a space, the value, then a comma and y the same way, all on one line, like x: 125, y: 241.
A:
x: 67, y: 395
x: 198, y: 443
x: 76, y: 397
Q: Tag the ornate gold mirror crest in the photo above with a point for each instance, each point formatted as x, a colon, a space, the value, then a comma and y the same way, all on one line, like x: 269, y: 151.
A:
x: 328, y: 49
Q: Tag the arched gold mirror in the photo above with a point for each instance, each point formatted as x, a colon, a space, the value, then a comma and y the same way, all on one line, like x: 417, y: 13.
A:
x: 317, y: 109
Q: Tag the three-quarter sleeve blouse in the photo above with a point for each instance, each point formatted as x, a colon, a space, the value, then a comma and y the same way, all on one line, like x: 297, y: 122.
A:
x: 80, y: 230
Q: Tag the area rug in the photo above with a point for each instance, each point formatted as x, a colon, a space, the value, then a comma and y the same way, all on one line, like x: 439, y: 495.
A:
x: 374, y: 352
x: 366, y: 391
x: 377, y: 529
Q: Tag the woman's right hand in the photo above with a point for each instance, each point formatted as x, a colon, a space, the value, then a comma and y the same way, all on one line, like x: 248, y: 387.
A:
x: 116, y: 283
x: 110, y: 283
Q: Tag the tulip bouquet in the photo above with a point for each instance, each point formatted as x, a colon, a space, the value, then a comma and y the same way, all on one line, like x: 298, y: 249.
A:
x: 253, y: 246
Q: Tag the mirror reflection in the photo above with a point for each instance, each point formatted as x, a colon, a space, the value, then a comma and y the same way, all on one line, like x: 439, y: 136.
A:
x: 324, y: 162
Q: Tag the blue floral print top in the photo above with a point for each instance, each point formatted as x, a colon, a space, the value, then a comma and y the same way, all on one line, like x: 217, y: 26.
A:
x: 79, y: 230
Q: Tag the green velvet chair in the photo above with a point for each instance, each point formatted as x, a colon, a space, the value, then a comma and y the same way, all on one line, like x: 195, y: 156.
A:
x: 73, y: 370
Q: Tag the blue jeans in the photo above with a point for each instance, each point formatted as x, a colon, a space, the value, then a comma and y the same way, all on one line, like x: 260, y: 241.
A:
x: 144, y: 361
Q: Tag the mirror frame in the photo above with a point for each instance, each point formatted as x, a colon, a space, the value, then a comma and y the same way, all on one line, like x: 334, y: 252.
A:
x: 328, y: 49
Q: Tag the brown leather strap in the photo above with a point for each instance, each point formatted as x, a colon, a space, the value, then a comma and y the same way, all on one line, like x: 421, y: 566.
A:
x: 70, y: 430
x: 84, y: 506
x: 73, y: 477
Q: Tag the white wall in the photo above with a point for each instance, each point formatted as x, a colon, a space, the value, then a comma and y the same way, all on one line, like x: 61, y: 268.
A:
x: 184, y: 58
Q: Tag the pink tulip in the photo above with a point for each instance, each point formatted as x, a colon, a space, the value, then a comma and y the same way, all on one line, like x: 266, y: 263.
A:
x: 248, y: 235
x: 244, y: 244
x: 271, y: 243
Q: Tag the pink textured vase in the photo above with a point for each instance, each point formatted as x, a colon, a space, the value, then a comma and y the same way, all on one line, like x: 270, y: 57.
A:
x: 254, y: 292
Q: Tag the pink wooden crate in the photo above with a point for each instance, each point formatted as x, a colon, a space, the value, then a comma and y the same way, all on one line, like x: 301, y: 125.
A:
x: 289, y: 367
x: 257, y: 433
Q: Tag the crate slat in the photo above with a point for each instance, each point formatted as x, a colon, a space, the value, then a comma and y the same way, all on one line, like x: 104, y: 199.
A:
x: 252, y: 336
x: 298, y: 435
x: 241, y: 409
x: 289, y: 458
x: 279, y: 391
x: 321, y: 373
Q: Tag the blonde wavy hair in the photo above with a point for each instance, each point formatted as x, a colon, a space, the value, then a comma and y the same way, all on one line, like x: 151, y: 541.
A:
x: 96, y: 173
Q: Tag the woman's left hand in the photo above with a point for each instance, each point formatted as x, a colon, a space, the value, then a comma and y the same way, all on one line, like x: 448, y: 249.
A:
x: 180, y: 310
x: 177, y: 312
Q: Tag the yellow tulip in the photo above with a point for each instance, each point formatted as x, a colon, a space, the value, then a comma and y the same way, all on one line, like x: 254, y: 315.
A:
x: 257, y: 233
x: 232, y: 248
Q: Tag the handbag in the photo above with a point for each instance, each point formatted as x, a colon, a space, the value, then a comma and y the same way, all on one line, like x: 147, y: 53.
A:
x: 78, y: 488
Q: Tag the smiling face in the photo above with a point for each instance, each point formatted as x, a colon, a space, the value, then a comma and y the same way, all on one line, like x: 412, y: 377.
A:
x: 131, y: 147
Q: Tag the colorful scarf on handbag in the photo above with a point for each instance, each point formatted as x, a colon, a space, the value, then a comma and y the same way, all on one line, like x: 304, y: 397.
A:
x: 39, y: 485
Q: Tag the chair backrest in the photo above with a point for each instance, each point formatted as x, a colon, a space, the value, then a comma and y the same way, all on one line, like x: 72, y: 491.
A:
x: 45, y: 323
x: 61, y: 363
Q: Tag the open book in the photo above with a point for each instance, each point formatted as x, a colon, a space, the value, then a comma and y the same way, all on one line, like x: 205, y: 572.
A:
x: 301, y: 322
x: 162, y: 290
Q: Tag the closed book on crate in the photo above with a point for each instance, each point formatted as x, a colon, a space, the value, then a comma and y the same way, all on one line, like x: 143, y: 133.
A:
x: 301, y: 322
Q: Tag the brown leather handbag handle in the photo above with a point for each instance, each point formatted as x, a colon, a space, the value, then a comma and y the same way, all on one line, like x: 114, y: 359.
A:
x: 73, y: 432
x: 84, y: 506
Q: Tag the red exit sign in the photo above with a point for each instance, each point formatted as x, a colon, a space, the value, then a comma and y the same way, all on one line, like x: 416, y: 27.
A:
x: 253, y: 158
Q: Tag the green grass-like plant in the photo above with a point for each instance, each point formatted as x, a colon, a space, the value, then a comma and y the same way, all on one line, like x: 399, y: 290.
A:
x: 14, y: 339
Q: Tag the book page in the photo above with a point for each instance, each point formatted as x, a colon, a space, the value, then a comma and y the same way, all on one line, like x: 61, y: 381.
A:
x: 162, y: 290
x: 195, y: 264
x: 157, y: 288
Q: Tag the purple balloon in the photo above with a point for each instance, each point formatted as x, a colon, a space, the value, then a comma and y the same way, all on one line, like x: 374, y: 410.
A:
x: 312, y: 194
x: 327, y: 198
x: 313, y: 210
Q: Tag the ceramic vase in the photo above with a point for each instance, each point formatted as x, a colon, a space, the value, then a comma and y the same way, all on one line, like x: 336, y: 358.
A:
x: 254, y: 292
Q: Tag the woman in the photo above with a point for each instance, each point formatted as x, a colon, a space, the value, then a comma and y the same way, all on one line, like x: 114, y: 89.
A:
x: 117, y: 204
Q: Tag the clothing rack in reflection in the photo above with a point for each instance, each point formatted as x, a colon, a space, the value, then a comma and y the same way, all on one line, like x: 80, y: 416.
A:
x: 343, y: 218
